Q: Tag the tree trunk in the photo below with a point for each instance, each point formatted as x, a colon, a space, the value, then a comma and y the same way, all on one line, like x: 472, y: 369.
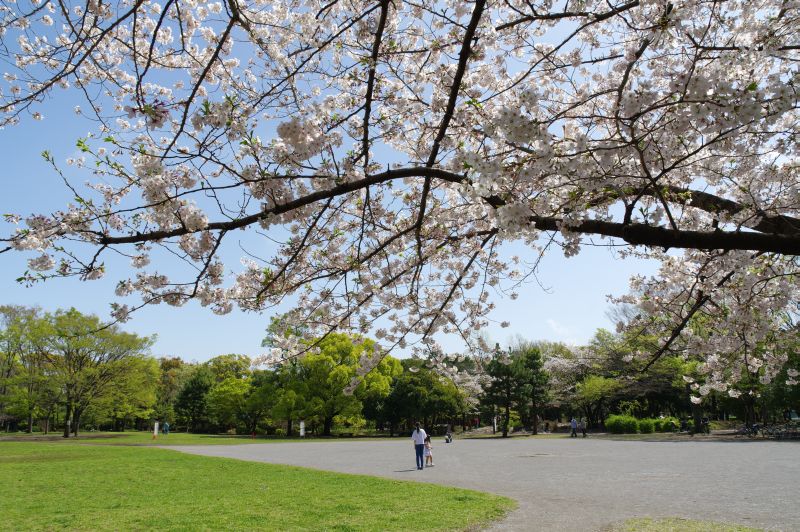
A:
x: 328, y: 424
x: 76, y: 423
x: 67, y: 418
x: 289, y: 427
x: 697, y: 416
x: 507, y: 421
x: 30, y: 421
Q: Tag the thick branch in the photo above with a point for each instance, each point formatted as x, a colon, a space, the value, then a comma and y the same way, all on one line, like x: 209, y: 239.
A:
x: 634, y: 233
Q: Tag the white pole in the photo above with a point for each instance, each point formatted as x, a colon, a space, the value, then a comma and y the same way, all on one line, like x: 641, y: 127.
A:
x: 302, y: 429
x: 155, y: 430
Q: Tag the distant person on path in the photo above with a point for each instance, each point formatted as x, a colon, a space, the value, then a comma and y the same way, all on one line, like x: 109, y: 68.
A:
x: 418, y: 437
x: 583, y: 428
x: 428, y: 452
x: 448, y: 437
x: 165, y: 428
x: 573, y: 424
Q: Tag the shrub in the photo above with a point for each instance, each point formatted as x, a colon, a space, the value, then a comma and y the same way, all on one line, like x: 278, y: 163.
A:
x: 668, y: 424
x: 621, y: 424
x: 646, y: 426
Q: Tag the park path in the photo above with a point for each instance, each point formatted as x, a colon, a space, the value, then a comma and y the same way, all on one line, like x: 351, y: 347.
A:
x: 578, y: 484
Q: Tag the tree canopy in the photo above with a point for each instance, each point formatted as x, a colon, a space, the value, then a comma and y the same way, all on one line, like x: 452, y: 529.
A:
x: 391, y: 148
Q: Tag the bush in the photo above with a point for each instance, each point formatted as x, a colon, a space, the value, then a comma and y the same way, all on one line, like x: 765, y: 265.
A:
x: 646, y: 426
x: 668, y: 424
x: 621, y: 424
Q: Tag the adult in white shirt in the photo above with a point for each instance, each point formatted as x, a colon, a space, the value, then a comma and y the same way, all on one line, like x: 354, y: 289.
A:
x: 418, y: 437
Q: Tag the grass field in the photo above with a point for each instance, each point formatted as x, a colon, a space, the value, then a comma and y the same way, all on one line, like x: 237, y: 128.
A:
x: 140, y: 438
x: 174, y: 438
x: 72, y: 485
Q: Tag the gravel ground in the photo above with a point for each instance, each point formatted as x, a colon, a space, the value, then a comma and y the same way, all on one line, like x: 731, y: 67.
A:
x: 578, y: 484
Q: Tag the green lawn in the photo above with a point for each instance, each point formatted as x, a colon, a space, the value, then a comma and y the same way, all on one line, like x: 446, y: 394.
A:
x: 139, y: 438
x: 174, y: 438
x: 47, y: 486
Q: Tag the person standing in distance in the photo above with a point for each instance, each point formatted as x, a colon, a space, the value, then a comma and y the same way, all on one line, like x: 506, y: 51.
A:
x: 418, y: 437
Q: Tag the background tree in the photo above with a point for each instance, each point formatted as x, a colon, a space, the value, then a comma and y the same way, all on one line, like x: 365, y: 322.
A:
x: 229, y: 367
x: 25, y: 390
x: 328, y: 373
x: 191, y: 405
x: 592, y: 396
x: 375, y: 388
x: 534, y: 381
x: 505, y: 388
x: 87, y: 359
x: 420, y: 394
x: 173, y: 375
x: 260, y: 399
x: 132, y: 396
x: 226, y: 402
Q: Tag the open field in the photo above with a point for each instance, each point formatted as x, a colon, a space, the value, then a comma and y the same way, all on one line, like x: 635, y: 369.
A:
x: 138, y: 438
x: 584, y: 484
x: 174, y: 438
x: 72, y: 485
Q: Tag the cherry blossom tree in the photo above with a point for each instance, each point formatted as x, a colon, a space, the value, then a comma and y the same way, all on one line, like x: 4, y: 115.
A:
x: 390, y: 148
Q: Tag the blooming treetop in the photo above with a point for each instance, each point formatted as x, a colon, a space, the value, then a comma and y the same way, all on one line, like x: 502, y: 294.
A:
x: 392, y: 147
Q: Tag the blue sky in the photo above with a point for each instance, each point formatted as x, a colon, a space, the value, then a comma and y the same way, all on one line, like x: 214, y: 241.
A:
x: 571, y: 308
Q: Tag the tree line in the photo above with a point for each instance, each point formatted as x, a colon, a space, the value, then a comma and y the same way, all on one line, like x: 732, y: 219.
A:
x: 67, y: 371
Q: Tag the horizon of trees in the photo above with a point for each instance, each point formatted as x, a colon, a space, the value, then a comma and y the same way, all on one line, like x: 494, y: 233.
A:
x: 63, y: 371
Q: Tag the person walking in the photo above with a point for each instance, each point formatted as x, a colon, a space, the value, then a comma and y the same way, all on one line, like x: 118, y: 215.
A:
x: 583, y: 427
x: 573, y: 424
x: 418, y: 437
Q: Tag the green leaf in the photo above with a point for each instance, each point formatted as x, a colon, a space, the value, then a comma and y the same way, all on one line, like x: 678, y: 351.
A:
x: 752, y: 87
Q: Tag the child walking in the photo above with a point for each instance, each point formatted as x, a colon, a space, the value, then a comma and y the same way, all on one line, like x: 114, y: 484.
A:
x: 428, y: 452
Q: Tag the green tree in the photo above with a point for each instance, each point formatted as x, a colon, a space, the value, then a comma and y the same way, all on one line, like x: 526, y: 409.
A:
x: 534, y: 380
x: 505, y: 388
x: 229, y: 367
x: 419, y: 394
x: 25, y: 390
x: 173, y: 374
x: 327, y: 374
x: 291, y: 392
x: 191, y: 405
x: 132, y: 397
x: 87, y: 359
x: 260, y: 399
x: 226, y: 402
x: 593, y: 394
x: 375, y: 388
